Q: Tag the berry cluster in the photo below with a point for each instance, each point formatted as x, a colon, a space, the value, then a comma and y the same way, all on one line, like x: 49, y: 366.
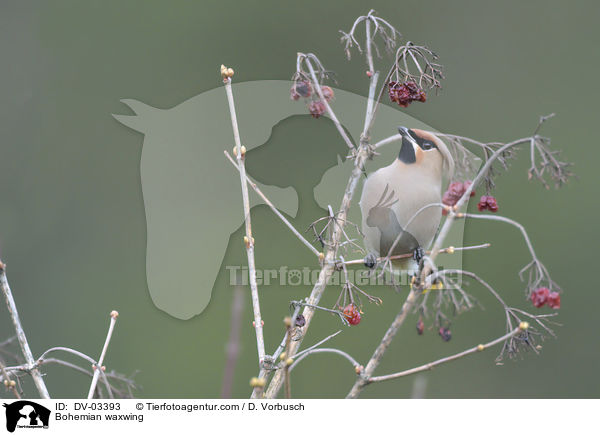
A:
x: 455, y: 191
x: 543, y: 296
x: 487, y: 203
x: 352, y: 314
x: 304, y: 89
x: 405, y: 93
x: 316, y: 108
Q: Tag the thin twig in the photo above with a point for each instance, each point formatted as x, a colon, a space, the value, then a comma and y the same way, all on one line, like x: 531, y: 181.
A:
x: 14, y: 314
x: 98, y: 367
x: 431, y: 365
x: 249, y: 240
x: 274, y: 209
x: 314, y: 346
x: 448, y: 250
x: 324, y: 350
x: 67, y: 350
x: 330, y: 112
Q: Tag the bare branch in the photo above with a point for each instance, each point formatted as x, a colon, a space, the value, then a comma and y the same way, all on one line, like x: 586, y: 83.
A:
x: 249, y: 240
x: 431, y: 365
x: 14, y: 315
x: 98, y: 368
x: 538, y: 273
x: 448, y: 250
x: 324, y: 350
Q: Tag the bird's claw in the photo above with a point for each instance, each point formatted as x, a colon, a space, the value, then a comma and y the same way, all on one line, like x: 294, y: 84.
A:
x: 418, y: 254
x: 370, y: 261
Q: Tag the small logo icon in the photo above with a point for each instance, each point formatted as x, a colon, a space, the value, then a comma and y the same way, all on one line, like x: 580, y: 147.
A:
x: 26, y: 414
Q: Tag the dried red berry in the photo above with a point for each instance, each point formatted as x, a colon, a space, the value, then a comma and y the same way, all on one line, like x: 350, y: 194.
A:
x: 300, y: 320
x: 327, y: 93
x: 539, y: 297
x: 445, y: 333
x: 303, y: 88
x: 405, y: 93
x: 487, y: 203
x: 420, y: 327
x: 316, y: 108
x: 293, y: 94
x: 553, y: 300
x: 352, y: 314
x: 482, y: 205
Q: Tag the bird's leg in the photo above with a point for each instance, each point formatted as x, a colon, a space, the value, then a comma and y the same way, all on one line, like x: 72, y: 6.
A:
x: 370, y: 260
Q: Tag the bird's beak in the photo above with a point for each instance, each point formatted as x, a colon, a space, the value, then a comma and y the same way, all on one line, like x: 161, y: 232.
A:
x: 406, y: 137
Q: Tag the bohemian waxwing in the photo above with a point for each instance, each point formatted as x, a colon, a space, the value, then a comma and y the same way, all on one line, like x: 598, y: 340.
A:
x: 392, y: 196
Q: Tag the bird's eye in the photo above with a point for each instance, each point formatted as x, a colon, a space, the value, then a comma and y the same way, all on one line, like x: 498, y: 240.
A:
x: 428, y: 145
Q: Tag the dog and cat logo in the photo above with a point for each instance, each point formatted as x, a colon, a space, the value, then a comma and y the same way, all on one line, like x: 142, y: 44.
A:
x: 25, y: 414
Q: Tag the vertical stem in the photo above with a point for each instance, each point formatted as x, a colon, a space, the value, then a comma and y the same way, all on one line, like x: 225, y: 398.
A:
x: 338, y: 231
x: 369, y: 50
x: 98, y: 367
x: 14, y: 314
x: 260, y: 342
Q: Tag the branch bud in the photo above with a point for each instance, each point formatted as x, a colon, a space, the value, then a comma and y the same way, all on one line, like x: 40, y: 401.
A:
x: 282, y: 356
x: 450, y: 250
x: 289, y: 361
x: 523, y: 326
x: 287, y: 321
x: 114, y: 314
x: 481, y: 348
x: 235, y: 153
x: 358, y: 369
x: 257, y: 382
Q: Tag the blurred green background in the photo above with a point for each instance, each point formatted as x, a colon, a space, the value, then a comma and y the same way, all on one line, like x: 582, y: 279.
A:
x: 72, y: 225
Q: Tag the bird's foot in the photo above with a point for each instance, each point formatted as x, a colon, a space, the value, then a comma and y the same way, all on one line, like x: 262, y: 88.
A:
x: 370, y: 261
x: 418, y: 255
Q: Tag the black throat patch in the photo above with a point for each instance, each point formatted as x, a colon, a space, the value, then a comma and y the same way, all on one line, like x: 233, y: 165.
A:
x: 407, y: 152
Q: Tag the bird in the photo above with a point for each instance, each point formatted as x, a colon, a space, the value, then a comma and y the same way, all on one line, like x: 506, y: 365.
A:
x: 393, y: 195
